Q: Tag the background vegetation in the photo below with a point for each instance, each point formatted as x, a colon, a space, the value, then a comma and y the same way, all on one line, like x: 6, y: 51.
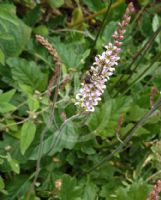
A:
x: 92, y: 159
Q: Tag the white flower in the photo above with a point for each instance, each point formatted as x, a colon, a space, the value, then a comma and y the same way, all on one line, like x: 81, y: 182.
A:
x: 103, y: 67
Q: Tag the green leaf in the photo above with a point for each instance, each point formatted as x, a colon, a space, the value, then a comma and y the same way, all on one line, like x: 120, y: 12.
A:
x: 32, y: 16
x: 33, y: 103
x: 14, y: 34
x: 137, y: 191
x: 99, y: 119
x: 95, y: 5
x: 69, y: 189
x: 41, y: 30
x: 67, y: 138
x: 27, y: 135
x: 155, y: 22
x: 90, y: 191
x: 71, y: 53
x: 27, y: 73
x: 55, y: 4
x: 2, y: 185
x: 13, y: 164
x: 6, y: 97
x: 26, y: 89
x: 155, y: 25
x: 6, y: 107
x: 2, y: 57
x: 77, y: 15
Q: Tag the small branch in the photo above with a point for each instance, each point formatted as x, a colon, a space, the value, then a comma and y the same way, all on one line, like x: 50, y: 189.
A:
x: 119, y: 124
x: 153, y: 94
x: 56, y: 140
x: 100, y: 12
x: 55, y: 78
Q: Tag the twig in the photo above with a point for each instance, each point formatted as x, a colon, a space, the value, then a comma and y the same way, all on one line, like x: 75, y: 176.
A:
x: 119, y: 124
x: 55, y: 78
x: 100, y: 12
x: 56, y: 140
x: 153, y: 93
x: 153, y: 175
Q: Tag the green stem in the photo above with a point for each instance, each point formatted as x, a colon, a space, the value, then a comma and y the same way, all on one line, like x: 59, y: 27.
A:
x: 101, y: 28
x: 58, y: 136
x: 100, y: 12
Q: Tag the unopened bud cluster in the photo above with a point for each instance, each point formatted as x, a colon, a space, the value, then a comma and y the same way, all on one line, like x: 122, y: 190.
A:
x: 154, y: 194
x: 103, y: 67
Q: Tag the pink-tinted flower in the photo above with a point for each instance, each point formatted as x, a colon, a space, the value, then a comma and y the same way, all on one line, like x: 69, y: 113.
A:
x: 103, y: 67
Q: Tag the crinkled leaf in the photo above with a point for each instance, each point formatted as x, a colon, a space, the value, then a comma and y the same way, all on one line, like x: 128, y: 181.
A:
x: 137, y: 191
x: 69, y: 188
x: 14, y: 34
x: 99, y: 119
x: 55, y: 4
x: 27, y: 73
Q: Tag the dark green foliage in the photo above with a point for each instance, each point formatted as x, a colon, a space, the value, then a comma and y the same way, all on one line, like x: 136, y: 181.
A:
x: 74, y: 164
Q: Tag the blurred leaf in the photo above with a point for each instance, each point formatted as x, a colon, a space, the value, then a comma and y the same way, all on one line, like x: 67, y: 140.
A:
x: 90, y: 191
x: 33, y: 103
x: 77, y: 15
x: 26, y: 89
x: 107, y: 33
x: 155, y: 25
x: 135, y: 113
x: 41, y: 30
x: 6, y: 97
x: 6, y: 107
x: 13, y: 164
x: 95, y: 5
x: 55, y: 4
x: 71, y: 53
x: 69, y: 189
x: 23, y: 71
x: 155, y: 22
x: 14, y: 34
x: 99, y: 119
x: 32, y: 16
x: 144, y: 71
x: 136, y: 191
x: 2, y: 185
x: 146, y: 26
x: 16, y: 187
x: 27, y: 135
x: 2, y: 57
